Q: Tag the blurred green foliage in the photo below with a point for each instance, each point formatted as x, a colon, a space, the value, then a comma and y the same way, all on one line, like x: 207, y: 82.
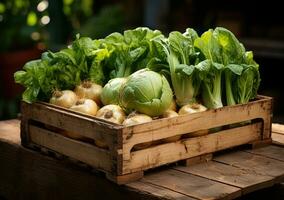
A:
x: 52, y: 24
x: 19, y: 19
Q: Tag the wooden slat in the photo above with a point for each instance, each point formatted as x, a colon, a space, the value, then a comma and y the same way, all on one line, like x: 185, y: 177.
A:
x: 154, y: 190
x: 192, y: 186
x: 278, y: 134
x: 9, y: 130
x: 227, y: 174
x: 163, y: 128
x: 69, y: 121
x: 277, y: 138
x: 278, y: 128
x: 191, y: 147
x: 270, y: 151
x: 86, y: 153
x: 255, y: 164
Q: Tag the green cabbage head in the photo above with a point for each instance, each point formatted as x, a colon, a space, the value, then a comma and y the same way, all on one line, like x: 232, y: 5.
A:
x: 147, y: 92
x: 110, y: 92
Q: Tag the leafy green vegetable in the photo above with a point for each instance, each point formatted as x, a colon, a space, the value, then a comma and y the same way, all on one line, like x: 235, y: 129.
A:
x: 147, y: 92
x: 63, y: 70
x: 227, y: 56
x: 193, y: 65
x: 131, y: 51
x: 110, y: 92
x: 182, y: 59
x: 211, y: 90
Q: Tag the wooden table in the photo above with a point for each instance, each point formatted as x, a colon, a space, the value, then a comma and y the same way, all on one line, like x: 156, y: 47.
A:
x: 26, y: 174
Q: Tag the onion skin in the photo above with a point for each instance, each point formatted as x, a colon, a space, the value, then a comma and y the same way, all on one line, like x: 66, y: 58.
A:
x: 191, y: 108
x: 64, y: 98
x: 89, y: 90
x: 169, y: 113
x: 86, y: 106
x: 137, y: 119
x: 113, y: 113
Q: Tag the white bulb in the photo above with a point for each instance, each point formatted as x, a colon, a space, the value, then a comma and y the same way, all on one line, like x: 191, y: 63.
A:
x: 42, y: 6
x: 45, y: 20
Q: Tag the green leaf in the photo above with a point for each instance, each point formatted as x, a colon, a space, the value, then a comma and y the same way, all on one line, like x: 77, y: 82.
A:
x: 236, y: 69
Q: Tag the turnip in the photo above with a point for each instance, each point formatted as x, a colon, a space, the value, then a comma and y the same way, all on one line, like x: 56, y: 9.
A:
x: 89, y: 90
x: 64, y: 98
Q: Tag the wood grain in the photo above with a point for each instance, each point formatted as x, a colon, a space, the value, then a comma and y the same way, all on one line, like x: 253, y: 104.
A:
x: 80, y: 151
x: 154, y: 190
x: 278, y: 128
x: 192, y: 186
x: 164, y: 128
x: 277, y: 138
x: 270, y: 151
x: 254, y: 163
x: 10, y: 131
x: 80, y: 124
x: 162, y: 154
x: 227, y: 174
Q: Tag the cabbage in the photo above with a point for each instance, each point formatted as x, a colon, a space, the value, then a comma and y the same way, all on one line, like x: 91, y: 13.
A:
x: 147, y: 92
x: 110, y: 92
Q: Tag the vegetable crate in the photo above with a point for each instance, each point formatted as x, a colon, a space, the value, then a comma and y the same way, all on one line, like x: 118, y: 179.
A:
x: 229, y: 126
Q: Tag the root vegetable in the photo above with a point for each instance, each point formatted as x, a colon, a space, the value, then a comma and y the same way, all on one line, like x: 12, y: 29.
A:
x: 64, y: 98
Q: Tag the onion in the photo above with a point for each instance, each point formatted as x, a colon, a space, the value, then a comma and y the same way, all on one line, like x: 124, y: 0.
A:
x: 137, y: 119
x: 191, y: 108
x: 86, y: 106
x: 169, y: 113
x: 64, y: 98
x: 173, y: 106
x: 89, y: 90
x: 112, y: 113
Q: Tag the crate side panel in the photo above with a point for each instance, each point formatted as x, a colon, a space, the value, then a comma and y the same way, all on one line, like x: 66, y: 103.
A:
x: 164, y: 128
x: 89, y: 154
x: 87, y: 127
x: 191, y: 147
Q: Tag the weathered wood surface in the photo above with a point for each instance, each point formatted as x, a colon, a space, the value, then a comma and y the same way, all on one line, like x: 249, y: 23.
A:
x: 278, y: 134
x: 26, y: 174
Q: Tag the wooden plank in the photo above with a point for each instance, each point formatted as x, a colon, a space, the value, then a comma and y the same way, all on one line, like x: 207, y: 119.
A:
x: 164, y: 128
x: 277, y: 139
x: 86, y: 153
x: 278, y: 128
x: 227, y: 174
x: 191, y: 147
x: 9, y: 131
x: 254, y: 163
x: 197, y: 159
x: 270, y: 151
x: 192, y: 186
x: 153, y: 190
x: 73, y: 122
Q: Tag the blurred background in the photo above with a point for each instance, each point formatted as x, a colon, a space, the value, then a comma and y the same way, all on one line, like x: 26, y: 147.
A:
x: 29, y: 27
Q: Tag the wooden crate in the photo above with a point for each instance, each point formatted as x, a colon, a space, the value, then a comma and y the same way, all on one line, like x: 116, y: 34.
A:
x: 120, y: 161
